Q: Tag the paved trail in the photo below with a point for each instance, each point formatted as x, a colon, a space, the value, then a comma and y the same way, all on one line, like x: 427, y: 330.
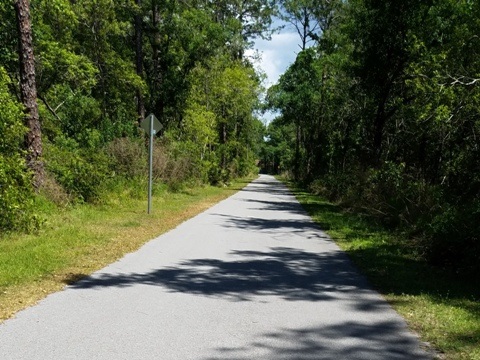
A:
x: 251, y: 278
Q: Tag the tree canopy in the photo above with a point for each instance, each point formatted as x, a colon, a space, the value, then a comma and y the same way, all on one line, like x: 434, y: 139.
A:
x: 388, y: 96
x: 380, y: 110
x: 99, y: 67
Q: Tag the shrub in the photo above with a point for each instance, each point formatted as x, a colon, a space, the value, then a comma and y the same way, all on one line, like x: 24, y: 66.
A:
x: 452, y: 238
x: 128, y: 157
x: 346, y: 187
x: 54, y: 192
x: 81, y: 172
x: 16, y: 192
x: 161, y: 160
x: 445, y: 231
x: 390, y: 195
x: 173, y: 165
x: 16, y: 196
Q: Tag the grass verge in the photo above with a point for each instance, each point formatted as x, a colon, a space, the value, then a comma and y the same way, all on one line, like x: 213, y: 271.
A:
x: 443, y: 309
x: 79, y: 240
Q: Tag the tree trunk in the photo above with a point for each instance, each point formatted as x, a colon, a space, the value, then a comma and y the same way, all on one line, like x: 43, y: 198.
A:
x: 305, y: 28
x: 139, y: 59
x: 28, y: 91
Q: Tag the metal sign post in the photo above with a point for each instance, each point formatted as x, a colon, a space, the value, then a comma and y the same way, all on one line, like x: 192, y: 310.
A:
x: 150, y: 166
x: 151, y: 125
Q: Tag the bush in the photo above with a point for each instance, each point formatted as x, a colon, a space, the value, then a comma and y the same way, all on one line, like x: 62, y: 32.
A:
x: 346, y: 187
x: 161, y: 160
x: 54, y: 192
x: 390, y: 195
x: 173, y: 165
x: 16, y: 192
x: 445, y: 232
x: 16, y: 196
x: 453, y: 238
x: 81, y: 172
x: 128, y: 157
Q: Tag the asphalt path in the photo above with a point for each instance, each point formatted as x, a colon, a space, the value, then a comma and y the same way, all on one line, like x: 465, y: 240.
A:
x: 251, y: 278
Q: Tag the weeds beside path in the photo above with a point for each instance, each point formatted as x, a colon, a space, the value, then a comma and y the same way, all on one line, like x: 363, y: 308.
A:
x: 79, y: 240
x: 443, y: 309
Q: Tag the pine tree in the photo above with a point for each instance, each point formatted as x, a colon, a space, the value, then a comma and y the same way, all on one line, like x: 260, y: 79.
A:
x: 28, y: 91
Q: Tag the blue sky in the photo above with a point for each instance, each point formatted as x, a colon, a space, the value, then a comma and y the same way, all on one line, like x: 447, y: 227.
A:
x: 276, y: 56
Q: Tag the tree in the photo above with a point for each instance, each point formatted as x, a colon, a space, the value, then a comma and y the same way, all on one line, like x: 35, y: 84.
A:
x: 139, y: 57
x: 65, y: 76
x: 219, y: 127
x: 297, y: 92
x: 310, y: 18
x: 300, y: 14
x: 15, y: 185
x: 382, y: 34
x: 277, y: 151
x: 104, y: 34
x: 243, y: 21
x: 28, y: 91
x: 392, y: 126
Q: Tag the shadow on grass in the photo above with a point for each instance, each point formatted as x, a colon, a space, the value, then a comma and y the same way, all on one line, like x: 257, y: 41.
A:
x: 385, y: 253
x: 391, y: 264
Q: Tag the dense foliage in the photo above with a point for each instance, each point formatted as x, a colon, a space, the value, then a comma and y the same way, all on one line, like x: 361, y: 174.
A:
x: 16, y: 195
x: 390, y: 102
x: 380, y: 109
x: 101, y: 66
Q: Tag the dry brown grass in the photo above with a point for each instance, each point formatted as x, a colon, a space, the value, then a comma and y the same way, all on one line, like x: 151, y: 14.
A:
x: 112, y: 232
x: 53, y: 191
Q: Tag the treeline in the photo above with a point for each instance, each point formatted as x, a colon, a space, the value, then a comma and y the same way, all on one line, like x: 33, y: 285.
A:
x: 76, y: 78
x: 381, y: 110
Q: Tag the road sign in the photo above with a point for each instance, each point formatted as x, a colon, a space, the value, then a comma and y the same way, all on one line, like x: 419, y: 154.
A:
x: 147, y: 124
x: 151, y: 125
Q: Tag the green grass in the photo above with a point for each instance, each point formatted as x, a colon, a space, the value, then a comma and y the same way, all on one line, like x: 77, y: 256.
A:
x: 442, y: 308
x: 78, y: 240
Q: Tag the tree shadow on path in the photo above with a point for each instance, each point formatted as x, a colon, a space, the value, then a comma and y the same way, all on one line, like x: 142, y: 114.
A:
x: 282, y: 206
x: 287, y: 227
x: 288, y: 273
x: 352, y: 340
x: 292, y: 275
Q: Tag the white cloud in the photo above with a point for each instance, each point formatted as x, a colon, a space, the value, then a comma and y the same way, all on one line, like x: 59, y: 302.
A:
x: 276, y: 55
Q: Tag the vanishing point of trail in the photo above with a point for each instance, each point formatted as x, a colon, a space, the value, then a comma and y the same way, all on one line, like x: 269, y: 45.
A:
x: 250, y: 278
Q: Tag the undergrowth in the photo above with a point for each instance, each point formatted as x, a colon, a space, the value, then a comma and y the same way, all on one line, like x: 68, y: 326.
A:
x: 442, y: 307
